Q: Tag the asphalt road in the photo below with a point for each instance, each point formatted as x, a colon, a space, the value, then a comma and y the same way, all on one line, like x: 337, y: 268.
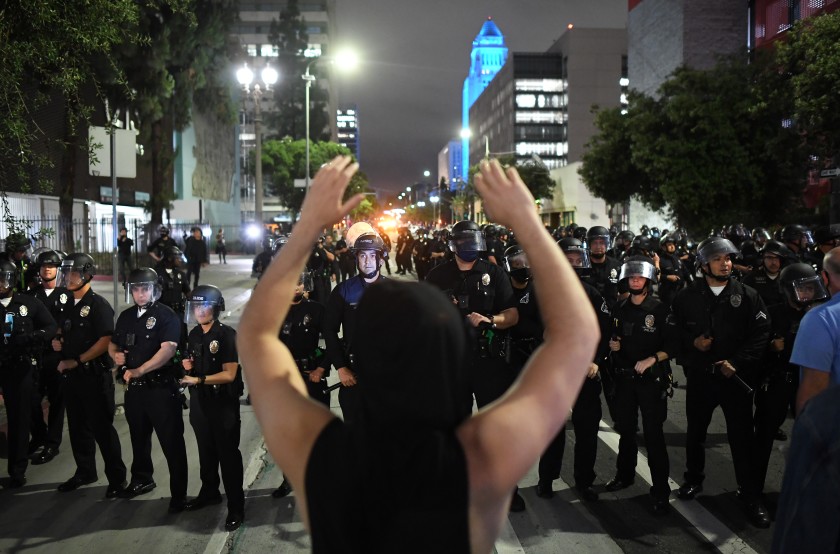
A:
x: 37, y: 518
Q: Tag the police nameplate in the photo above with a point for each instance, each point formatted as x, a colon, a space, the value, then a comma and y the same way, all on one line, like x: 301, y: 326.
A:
x: 150, y: 323
x: 485, y: 279
x: 23, y: 311
x: 63, y: 298
x: 85, y: 311
x: 214, y: 346
x: 735, y: 300
x: 649, y: 321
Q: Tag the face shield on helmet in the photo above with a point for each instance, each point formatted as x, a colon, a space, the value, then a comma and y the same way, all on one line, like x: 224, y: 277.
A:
x: 807, y: 290
x: 807, y: 239
x: 200, y: 312
x: 516, y: 264
x: 467, y: 244
x: 7, y: 281
x: 142, y: 293
x: 577, y: 255
x: 637, y: 268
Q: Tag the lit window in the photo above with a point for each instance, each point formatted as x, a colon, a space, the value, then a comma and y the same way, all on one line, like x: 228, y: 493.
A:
x: 624, y: 81
x: 268, y: 51
x: 252, y: 50
x: 525, y: 100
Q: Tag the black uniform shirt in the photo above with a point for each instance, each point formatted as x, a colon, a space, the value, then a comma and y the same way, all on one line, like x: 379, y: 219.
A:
x: 769, y: 289
x: 642, y: 330
x: 175, y: 287
x: 159, y: 244
x: 302, y: 329
x: 530, y: 325
x: 58, y: 303
x: 84, y: 324
x: 484, y: 289
x: 140, y: 336
x: 604, y: 277
x: 737, y: 320
x: 31, y: 327
x: 341, y: 313
x: 211, y: 350
x: 784, y: 322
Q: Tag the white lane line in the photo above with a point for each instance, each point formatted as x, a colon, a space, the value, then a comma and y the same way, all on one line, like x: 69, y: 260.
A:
x: 707, y: 524
x: 218, y: 540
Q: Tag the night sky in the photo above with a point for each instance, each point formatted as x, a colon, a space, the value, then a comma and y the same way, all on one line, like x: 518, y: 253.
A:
x: 414, y: 58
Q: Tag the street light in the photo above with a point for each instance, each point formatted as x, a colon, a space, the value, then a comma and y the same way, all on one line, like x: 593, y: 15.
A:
x: 245, y: 77
x: 434, y: 200
x: 345, y: 60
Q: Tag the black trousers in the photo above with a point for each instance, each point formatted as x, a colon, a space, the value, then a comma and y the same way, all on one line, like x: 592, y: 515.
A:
x: 50, y: 384
x: 157, y: 408
x: 317, y: 391
x: 17, y: 384
x: 771, y: 409
x: 90, y: 419
x: 491, y: 378
x: 350, y: 402
x: 214, y: 417
x: 586, y: 416
x: 124, y: 262
x: 631, y: 395
x: 193, y: 269
x: 705, y: 392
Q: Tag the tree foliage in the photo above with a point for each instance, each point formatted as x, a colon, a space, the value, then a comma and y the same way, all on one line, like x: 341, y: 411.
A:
x: 713, y: 148
x: 284, y: 161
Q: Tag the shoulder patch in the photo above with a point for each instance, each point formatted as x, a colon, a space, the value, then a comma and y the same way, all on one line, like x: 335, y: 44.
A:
x: 604, y: 308
x: 23, y: 311
x: 526, y: 298
x: 760, y: 315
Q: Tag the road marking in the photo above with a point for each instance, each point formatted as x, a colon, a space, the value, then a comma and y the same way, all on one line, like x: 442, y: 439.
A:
x: 218, y: 540
x: 707, y: 524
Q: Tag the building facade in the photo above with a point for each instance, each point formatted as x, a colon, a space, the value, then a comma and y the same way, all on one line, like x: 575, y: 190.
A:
x: 347, y: 127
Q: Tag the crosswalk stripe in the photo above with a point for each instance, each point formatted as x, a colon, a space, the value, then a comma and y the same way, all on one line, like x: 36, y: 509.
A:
x: 707, y: 524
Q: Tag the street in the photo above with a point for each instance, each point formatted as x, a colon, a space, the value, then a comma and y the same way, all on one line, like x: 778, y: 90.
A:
x: 37, y: 518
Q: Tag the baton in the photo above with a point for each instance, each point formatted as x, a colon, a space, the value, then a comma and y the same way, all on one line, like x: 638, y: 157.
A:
x: 743, y: 384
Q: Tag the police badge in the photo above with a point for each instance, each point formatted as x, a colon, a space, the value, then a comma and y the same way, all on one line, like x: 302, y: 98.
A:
x: 23, y: 311
x: 735, y: 300
x: 84, y: 311
x: 150, y: 323
x: 485, y: 279
x: 214, y: 346
x: 649, y: 321
x: 307, y: 319
x: 63, y: 298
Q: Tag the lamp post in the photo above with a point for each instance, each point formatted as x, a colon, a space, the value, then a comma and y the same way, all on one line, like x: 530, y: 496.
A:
x: 345, y: 59
x: 434, y: 200
x: 245, y: 77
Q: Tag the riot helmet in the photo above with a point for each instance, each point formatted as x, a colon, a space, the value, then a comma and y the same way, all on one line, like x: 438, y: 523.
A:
x: 516, y: 264
x: 467, y: 240
x: 204, y: 304
x: 595, y: 237
x: 579, y: 233
x: 304, y: 285
x: 173, y: 257
x: 667, y: 239
x: 797, y: 234
x: 357, y: 229
x: 801, y: 285
x: 760, y: 236
x: 366, y: 242
x: 638, y: 266
x: 17, y: 244
x: 8, y: 277
x: 624, y: 239
x: 48, y: 263
x: 577, y: 254
x: 163, y: 230
x: 711, y: 248
x: 142, y: 287
x: 642, y: 245
x: 77, y: 270
x: 278, y: 244
x: 827, y: 234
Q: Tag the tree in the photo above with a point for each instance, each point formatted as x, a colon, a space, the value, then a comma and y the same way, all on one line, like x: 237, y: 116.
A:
x: 289, y: 36
x: 809, y: 58
x: 533, y: 172
x: 712, y: 146
x: 284, y: 161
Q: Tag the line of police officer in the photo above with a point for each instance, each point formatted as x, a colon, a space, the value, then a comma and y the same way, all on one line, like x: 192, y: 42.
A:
x: 70, y: 348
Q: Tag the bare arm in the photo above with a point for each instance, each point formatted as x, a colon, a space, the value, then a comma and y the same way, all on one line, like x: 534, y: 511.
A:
x: 504, y: 440
x: 813, y: 383
x: 290, y: 421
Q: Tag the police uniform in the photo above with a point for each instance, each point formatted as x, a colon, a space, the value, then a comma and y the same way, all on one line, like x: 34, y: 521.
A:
x: 737, y: 321
x: 768, y: 288
x: 320, y: 266
x: 300, y: 333
x: 642, y: 332
x: 153, y: 402
x: 340, y: 313
x: 604, y: 277
x: 50, y: 382
x: 89, y: 389
x: 214, y: 414
x: 174, y: 288
x: 586, y: 413
x: 669, y: 264
x: 27, y: 327
x: 484, y: 289
x: 160, y: 244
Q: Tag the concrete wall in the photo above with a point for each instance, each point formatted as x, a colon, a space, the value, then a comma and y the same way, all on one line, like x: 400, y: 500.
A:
x: 571, y: 195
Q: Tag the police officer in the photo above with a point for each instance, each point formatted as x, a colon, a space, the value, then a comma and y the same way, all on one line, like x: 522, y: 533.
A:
x: 17, y: 252
x: 58, y: 301
x: 301, y: 332
x: 723, y: 330
x: 262, y: 259
x: 85, y: 330
x: 143, y: 346
x: 586, y: 412
x: 605, y: 269
x: 765, y: 279
x: 640, y: 349
x: 157, y: 247
x: 802, y: 288
x: 212, y: 373
x: 483, y: 294
x: 826, y: 237
x: 672, y: 272
x: 341, y: 315
x: 320, y: 265
x: 799, y: 239
x: 27, y: 327
x: 175, y: 286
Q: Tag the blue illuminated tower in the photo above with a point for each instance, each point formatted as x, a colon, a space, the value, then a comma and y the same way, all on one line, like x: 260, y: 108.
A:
x: 489, y: 54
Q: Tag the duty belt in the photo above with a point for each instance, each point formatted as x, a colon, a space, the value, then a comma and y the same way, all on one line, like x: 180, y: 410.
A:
x: 154, y: 379
x: 303, y: 363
